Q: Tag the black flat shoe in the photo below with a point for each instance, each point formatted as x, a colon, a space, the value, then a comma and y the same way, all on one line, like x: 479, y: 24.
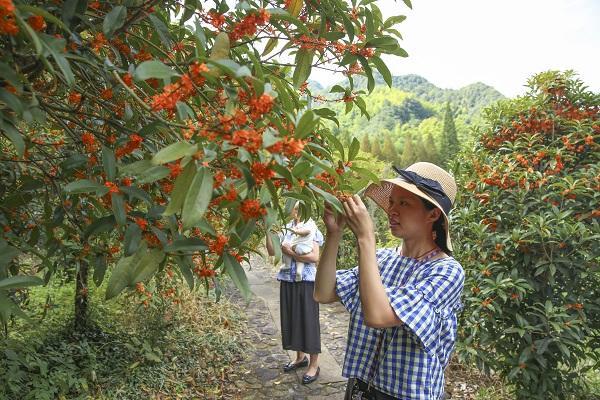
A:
x: 306, y: 379
x: 293, y: 366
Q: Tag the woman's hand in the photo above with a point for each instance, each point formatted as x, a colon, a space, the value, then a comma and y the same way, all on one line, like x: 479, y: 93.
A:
x: 358, y: 218
x: 287, y: 249
x: 333, y: 223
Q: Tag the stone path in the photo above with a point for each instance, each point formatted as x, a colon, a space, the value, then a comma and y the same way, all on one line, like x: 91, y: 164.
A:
x: 261, y: 375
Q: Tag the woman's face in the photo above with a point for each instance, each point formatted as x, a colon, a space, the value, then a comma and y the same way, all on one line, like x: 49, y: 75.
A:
x: 408, y: 216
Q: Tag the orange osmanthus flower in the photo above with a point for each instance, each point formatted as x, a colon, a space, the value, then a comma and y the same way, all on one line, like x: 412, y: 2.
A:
x: 8, y: 25
x: 252, y: 209
x: 37, y: 22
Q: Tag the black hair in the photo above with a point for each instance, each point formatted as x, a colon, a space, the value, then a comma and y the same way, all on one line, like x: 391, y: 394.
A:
x: 438, y: 227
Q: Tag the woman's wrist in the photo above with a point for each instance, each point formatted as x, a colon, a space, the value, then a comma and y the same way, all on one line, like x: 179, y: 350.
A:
x: 366, y: 240
x: 334, y: 233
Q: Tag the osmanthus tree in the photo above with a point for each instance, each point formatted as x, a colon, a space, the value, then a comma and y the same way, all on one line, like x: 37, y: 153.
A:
x: 528, y: 234
x: 154, y: 139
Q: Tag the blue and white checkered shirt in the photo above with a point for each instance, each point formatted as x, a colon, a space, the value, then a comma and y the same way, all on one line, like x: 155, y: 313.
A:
x: 309, y: 272
x: 413, y: 355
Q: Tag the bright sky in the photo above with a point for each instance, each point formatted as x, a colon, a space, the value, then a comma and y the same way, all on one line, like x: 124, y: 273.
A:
x: 453, y: 43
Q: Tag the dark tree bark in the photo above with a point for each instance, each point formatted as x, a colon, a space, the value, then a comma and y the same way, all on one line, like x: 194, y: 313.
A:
x: 81, y: 297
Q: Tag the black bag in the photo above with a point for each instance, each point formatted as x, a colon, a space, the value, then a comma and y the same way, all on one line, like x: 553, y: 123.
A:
x: 353, y: 391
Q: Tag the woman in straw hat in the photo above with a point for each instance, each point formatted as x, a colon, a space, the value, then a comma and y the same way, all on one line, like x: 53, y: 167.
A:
x: 402, y: 301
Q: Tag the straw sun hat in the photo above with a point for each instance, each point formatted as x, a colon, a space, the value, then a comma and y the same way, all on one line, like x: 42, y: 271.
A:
x: 423, y: 179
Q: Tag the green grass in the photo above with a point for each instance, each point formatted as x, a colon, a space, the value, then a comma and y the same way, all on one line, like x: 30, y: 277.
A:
x: 127, y: 352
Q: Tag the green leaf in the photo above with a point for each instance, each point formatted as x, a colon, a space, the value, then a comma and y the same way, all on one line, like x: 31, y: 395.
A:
x: 161, y: 29
x: 280, y: 14
x: 11, y: 101
x: 180, y: 189
x: 354, y: 148
x: 276, y: 245
x: 365, y: 173
x: 337, y: 144
x: 8, y: 308
x: 147, y: 266
x: 237, y: 274
x: 118, y: 208
x: 174, y: 152
x: 189, y: 8
x: 86, y: 186
x: 331, y: 199
x: 391, y: 21
x: 334, y: 36
x: 271, y: 44
x: 136, y: 193
x: 109, y: 162
x: 408, y: 3
x: 184, y: 111
x: 383, y: 42
x: 7, y: 254
x: 54, y: 47
x: 327, y: 113
x: 368, y: 72
x: 383, y: 70
x: 302, y: 169
x: 187, y: 245
x: 153, y: 69
x: 360, y: 102
x: 400, y: 52
x: 65, y: 67
x: 133, y: 237
x: 135, y: 168
x: 294, y: 7
x: 100, y: 264
x: 348, y: 26
x: 114, y: 20
x: 10, y: 75
x: 197, y: 198
x: 47, y: 16
x: 14, y: 136
x: 120, y: 276
x: 186, y: 270
x: 100, y: 225
x: 307, y: 124
x: 269, y: 138
x: 35, y: 39
x: 200, y: 38
x: 153, y: 174
x: 369, y: 23
x: 72, y: 8
x: 20, y: 281
x: 304, y: 59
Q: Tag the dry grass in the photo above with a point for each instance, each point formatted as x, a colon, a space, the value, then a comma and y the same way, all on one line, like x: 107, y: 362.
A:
x: 467, y: 383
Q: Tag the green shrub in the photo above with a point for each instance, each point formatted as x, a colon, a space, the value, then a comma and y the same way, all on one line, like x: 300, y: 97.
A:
x: 527, y: 233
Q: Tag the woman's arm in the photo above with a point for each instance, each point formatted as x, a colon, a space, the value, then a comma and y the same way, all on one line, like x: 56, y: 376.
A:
x: 311, y: 257
x: 376, y: 307
x: 325, y: 280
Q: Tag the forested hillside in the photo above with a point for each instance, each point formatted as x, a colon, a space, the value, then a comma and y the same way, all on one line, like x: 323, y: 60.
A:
x: 412, y: 120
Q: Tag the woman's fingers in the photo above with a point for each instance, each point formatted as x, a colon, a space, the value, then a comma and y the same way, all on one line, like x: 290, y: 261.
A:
x: 358, y: 201
x: 347, y: 210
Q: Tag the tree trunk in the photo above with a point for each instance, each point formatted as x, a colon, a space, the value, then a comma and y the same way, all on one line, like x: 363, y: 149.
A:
x: 81, y: 296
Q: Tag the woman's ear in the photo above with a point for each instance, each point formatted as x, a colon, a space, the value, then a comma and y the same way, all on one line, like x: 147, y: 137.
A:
x: 434, y: 215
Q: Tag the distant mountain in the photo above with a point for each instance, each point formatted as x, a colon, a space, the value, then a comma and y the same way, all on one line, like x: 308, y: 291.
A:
x: 470, y: 99
x: 315, y: 86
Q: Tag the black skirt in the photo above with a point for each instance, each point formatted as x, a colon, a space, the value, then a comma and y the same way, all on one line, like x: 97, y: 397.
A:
x: 300, y: 329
